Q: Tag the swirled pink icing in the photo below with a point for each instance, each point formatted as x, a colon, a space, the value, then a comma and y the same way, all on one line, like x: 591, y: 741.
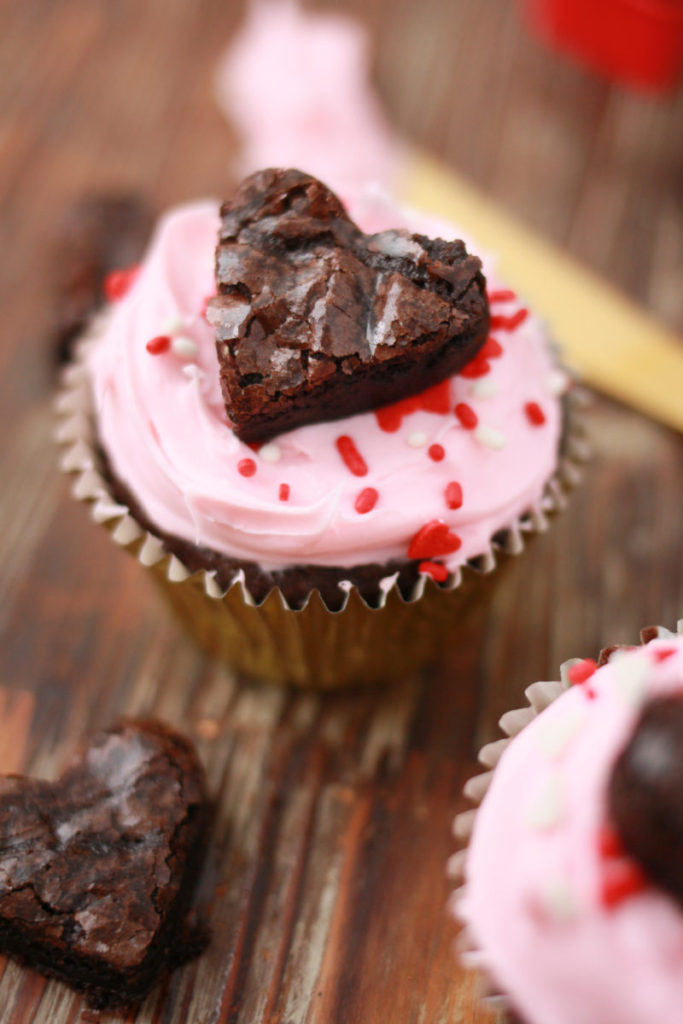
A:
x: 162, y: 421
x: 535, y: 872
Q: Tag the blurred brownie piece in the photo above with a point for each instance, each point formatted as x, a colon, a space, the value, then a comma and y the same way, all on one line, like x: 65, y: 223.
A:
x: 316, y: 320
x: 97, y: 869
x: 99, y: 234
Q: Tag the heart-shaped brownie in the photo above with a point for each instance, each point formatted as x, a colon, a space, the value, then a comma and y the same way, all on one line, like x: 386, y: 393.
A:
x: 316, y: 320
x: 96, y: 869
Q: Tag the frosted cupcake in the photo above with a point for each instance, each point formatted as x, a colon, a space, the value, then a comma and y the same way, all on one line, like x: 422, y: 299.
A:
x: 573, y: 876
x: 310, y: 457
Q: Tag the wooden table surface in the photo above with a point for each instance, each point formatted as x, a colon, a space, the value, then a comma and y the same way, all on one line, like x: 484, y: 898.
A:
x: 325, y: 881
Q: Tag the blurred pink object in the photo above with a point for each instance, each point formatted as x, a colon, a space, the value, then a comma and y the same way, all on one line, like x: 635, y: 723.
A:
x: 635, y: 41
x: 296, y: 85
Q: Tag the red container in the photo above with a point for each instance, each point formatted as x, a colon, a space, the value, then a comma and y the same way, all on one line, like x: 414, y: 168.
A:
x: 635, y: 41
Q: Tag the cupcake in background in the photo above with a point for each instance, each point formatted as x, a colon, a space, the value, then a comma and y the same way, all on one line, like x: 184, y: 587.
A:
x: 572, y: 878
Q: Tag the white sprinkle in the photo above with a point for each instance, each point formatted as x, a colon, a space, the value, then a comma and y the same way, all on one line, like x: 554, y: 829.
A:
x: 555, y: 734
x: 559, y: 900
x: 557, y: 382
x: 418, y: 439
x: 545, y: 809
x: 270, y: 453
x: 489, y: 436
x: 172, y: 325
x: 484, y: 388
x: 186, y: 348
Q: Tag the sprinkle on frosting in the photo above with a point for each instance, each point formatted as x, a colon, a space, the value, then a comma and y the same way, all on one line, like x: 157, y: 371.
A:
x: 508, y: 323
x: 490, y: 437
x: 270, y: 452
x: 582, y: 671
x: 436, y: 452
x: 246, y: 467
x: 502, y: 295
x: 283, y: 492
x: 417, y: 439
x: 366, y: 500
x: 621, y: 879
x: 353, y: 460
x: 436, y: 570
x: 119, y: 282
x: 491, y: 349
x: 484, y: 388
x: 436, y: 399
x: 534, y: 414
x: 155, y: 346
x: 454, y: 494
x: 184, y: 347
x: 477, y: 367
x: 547, y: 805
x: 467, y: 416
x: 433, y: 539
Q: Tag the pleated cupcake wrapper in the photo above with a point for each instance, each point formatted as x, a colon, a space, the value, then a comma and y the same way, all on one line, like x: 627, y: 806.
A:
x: 291, y: 629
x: 539, y: 696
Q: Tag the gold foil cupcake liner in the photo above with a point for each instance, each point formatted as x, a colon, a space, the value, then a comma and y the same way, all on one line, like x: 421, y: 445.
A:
x: 359, y: 643
x: 539, y: 696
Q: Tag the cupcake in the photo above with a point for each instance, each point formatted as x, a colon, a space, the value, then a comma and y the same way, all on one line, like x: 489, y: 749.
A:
x: 573, y: 875
x: 307, y: 432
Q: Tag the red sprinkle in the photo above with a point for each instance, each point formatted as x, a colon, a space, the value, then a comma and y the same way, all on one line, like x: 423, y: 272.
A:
x: 366, y: 500
x: 582, y: 671
x: 454, y: 494
x: 502, y: 295
x: 436, y: 452
x: 534, y: 414
x: 155, y: 346
x: 436, y: 570
x: 247, y: 467
x: 118, y: 282
x: 466, y: 415
x: 477, y: 367
x: 491, y: 349
x: 433, y: 539
x: 609, y: 842
x: 435, y: 399
x: 283, y: 493
x: 508, y: 323
x: 622, y: 878
x: 353, y: 459
x: 663, y: 653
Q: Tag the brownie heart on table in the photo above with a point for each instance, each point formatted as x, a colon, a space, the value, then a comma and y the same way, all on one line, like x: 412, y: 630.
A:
x: 97, y: 868
x: 316, y: 320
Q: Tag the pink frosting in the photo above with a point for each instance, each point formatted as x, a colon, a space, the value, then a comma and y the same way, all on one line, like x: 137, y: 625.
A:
x: 296, y: 85
x: 163, y: 422
x: 532, y: 895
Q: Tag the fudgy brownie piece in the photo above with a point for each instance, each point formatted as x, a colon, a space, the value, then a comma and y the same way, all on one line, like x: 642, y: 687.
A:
x: 101, y: 233
x: 97, y: 869
x: 316, y: 320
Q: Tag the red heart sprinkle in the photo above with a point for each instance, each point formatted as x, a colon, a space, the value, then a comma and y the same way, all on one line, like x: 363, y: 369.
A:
x: 491, y: 349
x: 433, y: 539
x: 477, y: 367
x: 436, y: 570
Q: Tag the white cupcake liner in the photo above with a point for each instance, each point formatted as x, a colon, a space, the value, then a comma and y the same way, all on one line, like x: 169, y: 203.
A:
x: 539, y: 696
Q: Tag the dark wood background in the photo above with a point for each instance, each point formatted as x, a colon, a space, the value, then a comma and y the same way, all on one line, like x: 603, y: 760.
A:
x: 325, y: 882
